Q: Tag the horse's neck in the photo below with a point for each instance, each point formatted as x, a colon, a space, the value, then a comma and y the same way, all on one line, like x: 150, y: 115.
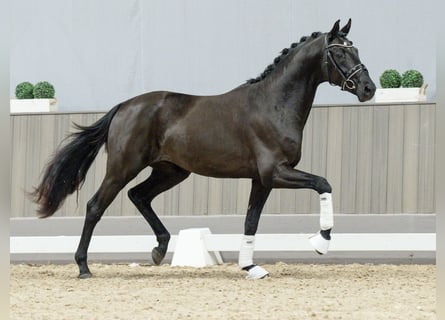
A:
x: 295, y: 88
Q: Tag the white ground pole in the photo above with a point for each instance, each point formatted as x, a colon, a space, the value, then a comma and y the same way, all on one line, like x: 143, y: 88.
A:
x: 344, y: 242
x: 402, y: 236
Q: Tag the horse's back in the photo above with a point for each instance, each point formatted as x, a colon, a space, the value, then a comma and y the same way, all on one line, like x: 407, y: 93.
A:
x: 202, y: 134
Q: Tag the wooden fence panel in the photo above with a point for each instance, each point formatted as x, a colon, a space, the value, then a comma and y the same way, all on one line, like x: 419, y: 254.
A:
x: 411, y: 158
x: 379, y: 159
x: 348, y: 191
x: 379, y: 156
x: 396, y: 129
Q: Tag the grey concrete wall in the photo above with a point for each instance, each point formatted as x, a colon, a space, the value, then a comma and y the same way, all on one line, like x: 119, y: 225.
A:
x: 98, y: 53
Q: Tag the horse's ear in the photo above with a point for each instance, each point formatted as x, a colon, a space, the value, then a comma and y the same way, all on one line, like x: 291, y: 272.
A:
x: 333, y: 33
x: 347, y: 27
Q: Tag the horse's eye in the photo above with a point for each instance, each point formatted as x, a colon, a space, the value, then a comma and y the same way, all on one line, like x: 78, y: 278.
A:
x: 340, y: 53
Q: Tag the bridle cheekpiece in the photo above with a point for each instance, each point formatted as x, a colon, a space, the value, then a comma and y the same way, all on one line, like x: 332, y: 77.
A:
x: 348, y: 82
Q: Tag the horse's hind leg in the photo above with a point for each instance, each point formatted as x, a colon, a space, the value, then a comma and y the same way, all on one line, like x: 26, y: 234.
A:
x: 162, y: 178
x: 110, y: 187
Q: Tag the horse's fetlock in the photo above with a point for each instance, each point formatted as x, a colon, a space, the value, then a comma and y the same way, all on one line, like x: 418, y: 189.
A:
x: 163, y: 238
x: 93, y: 217
x: 80, y: 258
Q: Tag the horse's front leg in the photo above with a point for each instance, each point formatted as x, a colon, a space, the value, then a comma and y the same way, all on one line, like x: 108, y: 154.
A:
x: 257, y: 199
x: 287, y: 177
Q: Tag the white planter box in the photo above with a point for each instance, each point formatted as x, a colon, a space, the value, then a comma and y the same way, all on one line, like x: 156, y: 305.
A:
x: 33, y: 105
x: 400, y: 95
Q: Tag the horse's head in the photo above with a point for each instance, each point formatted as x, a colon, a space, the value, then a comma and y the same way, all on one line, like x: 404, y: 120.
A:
x: 343, y: 66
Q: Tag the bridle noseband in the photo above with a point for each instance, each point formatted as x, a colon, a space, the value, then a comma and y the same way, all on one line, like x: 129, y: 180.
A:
x: 347, y: 82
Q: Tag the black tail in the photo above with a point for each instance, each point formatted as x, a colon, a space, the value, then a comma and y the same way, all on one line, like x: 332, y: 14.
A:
x: 66, y: 171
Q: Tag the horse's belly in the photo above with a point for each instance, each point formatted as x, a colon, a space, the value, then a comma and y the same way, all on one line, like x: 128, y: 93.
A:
x: 236, y: 169
x: 220, y: 160
x: 217, y: 165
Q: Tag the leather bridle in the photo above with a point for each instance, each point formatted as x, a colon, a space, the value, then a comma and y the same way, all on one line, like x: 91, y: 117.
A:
x: 347, y: 82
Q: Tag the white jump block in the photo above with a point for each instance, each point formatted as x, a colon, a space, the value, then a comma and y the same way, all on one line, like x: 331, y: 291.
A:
x: 191, y: 249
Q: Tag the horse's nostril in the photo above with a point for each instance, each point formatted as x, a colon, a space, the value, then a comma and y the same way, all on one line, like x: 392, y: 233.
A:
x: 369, y: 89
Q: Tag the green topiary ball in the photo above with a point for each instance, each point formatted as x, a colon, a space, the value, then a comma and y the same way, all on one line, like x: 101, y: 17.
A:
x: 44, y: 90
x: 412, y: 79
x: 24, y: 90
x: 390, y: 79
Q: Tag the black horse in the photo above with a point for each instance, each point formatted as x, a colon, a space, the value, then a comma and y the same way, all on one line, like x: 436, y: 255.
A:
x: 253, y: 131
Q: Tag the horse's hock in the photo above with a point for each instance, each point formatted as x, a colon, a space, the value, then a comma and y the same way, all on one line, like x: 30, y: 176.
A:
x: 378, y: 159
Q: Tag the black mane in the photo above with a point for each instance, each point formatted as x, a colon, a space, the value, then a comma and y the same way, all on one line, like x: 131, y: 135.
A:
x: 278, y: 59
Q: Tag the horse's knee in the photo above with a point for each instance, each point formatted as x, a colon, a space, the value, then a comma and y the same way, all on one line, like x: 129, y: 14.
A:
x: 322, y: 186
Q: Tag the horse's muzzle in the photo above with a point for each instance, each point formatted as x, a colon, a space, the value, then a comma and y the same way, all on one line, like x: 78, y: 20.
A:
x: 365, y: 91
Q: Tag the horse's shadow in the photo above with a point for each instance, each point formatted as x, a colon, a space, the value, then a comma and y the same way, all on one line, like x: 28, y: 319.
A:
x: 220, y: 272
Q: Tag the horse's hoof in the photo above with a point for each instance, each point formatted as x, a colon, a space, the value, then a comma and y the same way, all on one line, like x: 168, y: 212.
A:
x: 319, y: 243
x: 157, y: 256
x: 85, y: 275
x: 256, y: 272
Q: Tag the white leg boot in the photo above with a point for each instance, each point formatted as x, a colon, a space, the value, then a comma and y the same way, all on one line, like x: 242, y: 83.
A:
x: 320, y: 241
x: 245, y: 259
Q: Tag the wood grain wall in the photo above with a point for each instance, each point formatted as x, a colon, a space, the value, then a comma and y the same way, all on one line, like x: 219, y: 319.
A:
x: 378, y: 159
